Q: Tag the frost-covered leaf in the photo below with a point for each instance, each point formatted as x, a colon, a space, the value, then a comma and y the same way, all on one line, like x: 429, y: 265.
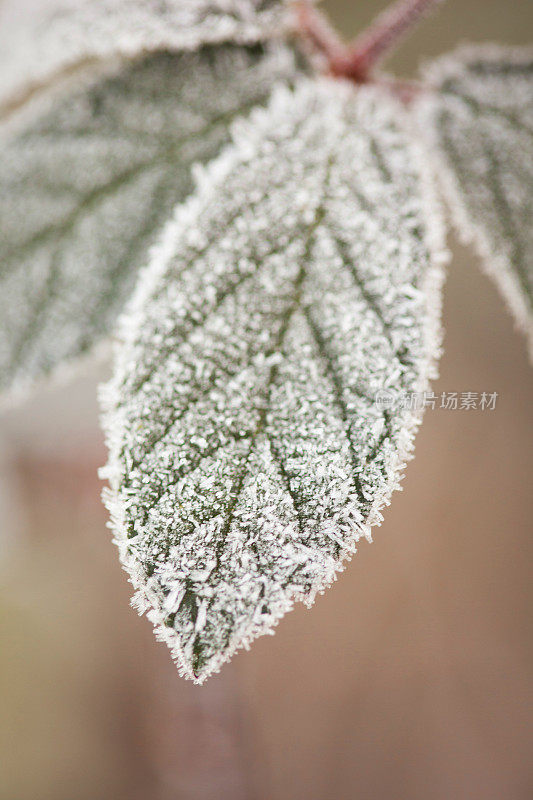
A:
x: 62, y: 35
x: 247, y: 452
x: 479, y: 124
x: 88, y: 177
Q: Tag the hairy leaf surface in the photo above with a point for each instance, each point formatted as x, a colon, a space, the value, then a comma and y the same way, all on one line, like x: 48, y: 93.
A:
x: 63, y: 35
x: 247, y: 452
x: 480, y: 126
x: 86, y: 180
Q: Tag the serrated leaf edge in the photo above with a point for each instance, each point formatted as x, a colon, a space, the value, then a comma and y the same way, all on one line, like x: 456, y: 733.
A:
x: 64, y: 373
x: 494, y: 266
x: 144, y: 600
x: 27, y: 77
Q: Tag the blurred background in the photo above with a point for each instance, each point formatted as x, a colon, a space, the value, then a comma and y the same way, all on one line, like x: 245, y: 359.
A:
x: 411, y: 678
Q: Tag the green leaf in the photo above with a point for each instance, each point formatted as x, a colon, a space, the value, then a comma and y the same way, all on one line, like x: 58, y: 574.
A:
x: 65, y: 36
x: 479, y: 125
x: 247, y: 451
x: 88, y: 176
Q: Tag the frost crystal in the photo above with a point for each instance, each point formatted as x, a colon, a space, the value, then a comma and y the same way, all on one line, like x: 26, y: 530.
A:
x: 88, y: 177
x: 71, y: 33
x: 247, y: 452
x: 479, y: 124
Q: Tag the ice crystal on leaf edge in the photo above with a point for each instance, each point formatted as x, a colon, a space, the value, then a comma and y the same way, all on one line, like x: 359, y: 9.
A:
x: 473, y: 104
x: 68, y: 35
x: 90, y: 175
x: 330, y: 101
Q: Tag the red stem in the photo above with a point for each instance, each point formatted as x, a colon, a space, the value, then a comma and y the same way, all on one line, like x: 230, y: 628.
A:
x: 317, y: 31
x: 356, y: 61
x: 386, y: 31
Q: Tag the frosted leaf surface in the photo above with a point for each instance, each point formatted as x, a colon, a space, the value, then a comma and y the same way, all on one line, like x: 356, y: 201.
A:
x: 247, y: 452
x: 64, y: 34
x: 87, y: 179
x: 480, y: 127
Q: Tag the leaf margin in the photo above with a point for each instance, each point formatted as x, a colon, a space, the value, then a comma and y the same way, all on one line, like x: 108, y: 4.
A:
x: 143, y: 600
x: 22, y: 74
x: 277, y: 58
x: 497, y: 267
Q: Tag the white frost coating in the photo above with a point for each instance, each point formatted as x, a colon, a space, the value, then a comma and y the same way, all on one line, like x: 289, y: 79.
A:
x: 87, y: 179
x: 247, y: 453
x: 67, y: 34
x: 478, y: 125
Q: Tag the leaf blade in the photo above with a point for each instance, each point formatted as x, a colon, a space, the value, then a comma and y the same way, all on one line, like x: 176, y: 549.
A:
x: 247, y: 454
x: 63, y: 36
x: 87, y: 179
x: 478, y: 124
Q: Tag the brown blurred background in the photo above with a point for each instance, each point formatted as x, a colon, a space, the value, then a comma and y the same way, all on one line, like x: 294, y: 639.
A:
x: 410, y: 679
